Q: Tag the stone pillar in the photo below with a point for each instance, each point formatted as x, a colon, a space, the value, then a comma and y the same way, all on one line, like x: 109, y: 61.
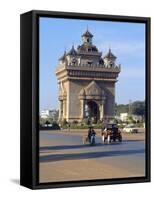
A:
x: 64, y: 109
x: 82, y: 108
x: 60, y: 109
x: 102, y: 110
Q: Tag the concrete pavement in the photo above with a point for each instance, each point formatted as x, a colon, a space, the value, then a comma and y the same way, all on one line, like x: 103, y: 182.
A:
x: 63, y: 157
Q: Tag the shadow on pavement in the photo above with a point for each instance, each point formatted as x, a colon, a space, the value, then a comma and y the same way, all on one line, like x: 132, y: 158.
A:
x: 134, y: 140
x: 82, y: 146
x: 62, y: 147
x: 59, y: 157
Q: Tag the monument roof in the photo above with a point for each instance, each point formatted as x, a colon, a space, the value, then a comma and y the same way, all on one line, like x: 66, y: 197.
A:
x: 72, y: 51
x: 85, y: 47
x: 110, y: 55
x: 63, y: 56
x: 87, y: 34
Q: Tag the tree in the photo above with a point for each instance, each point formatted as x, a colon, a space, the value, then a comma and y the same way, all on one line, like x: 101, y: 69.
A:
x: 138, y: 108
x: 121, y: 108
x: 47, y: 122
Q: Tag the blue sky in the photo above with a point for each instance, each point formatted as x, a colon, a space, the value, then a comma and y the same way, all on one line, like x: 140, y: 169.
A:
x: 127, y: 41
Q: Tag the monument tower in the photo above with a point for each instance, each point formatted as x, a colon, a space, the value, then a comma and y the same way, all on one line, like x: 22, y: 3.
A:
x: 86, y: 82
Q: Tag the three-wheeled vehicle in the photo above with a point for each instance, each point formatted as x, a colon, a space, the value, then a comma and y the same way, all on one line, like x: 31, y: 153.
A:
x: 111, y: 133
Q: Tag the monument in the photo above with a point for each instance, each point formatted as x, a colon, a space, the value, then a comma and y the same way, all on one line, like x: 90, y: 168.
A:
x: 86, y: 82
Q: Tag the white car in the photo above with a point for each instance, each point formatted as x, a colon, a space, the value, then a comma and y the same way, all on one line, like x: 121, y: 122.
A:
x: 130, y: 129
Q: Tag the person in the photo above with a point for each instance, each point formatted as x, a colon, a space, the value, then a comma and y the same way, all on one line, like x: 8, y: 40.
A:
x: 89, y: 134
x: 103, y: 133
x: 93, y: 134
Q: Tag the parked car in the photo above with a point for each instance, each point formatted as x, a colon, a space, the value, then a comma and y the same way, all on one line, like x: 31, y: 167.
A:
x: 130, y: 129
x: 52, y: 126
x: 111, y: 133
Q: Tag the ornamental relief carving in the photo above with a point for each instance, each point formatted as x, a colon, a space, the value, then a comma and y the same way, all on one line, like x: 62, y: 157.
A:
x: 92, y: 91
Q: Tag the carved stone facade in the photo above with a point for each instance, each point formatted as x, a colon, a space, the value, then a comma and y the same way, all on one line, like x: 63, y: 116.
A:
x: 86, y: 82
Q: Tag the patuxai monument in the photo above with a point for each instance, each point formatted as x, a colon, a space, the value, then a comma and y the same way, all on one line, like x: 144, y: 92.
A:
x: 86, y: 82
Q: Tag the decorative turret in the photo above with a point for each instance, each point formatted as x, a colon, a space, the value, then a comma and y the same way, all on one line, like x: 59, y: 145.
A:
x: 87, y: 37
x: 72, y: 52
x: 109, y: 59
x: 87, y: 45
x: 110, y: 55
x: 62, y: 58
x: 72, y: 56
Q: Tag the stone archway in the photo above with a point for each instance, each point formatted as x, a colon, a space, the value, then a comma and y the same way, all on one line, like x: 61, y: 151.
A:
x: 92, y: 111
x: 92, y: 99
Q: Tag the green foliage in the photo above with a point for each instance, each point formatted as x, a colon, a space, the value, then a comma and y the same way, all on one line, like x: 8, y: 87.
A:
x: 86, y: 121
x: 99, y: 122
x: 75, y: 122
x: 55, y: 125
x: 121, y: 108
x: 130, y: 120
x: 56, y: 115
x: 138, y: 108
x: 82, y: 126
x: 116, y: 121
x: 140, y: 125
x: 64, y: 123
x: 45, y: 121
x: 41, y: 121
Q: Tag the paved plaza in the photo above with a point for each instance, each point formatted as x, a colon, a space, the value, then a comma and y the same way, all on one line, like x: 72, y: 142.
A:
x: 63, y: 157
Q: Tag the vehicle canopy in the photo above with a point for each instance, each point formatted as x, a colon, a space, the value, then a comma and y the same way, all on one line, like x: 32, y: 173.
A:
x: 111, y: 126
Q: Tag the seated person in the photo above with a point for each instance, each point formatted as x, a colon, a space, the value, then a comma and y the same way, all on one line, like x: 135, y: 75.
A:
x: 93, y: 132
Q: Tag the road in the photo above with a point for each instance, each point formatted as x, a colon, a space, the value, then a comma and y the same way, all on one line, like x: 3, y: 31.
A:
x: 63, y: 157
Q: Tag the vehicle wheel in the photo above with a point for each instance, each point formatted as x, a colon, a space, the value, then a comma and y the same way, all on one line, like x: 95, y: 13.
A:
x: 103, y: 138
x: 108, y: 139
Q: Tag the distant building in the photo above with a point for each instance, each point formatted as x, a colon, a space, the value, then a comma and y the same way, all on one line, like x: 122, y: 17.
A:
x: 44, y: 114
x: 117, y: 117
x: 124, y: 116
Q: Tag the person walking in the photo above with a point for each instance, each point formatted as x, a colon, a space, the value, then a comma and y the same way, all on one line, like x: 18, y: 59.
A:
x: 89, y: 134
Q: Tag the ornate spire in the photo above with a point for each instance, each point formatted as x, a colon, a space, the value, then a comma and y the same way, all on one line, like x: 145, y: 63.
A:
x: 72, y: 51
x: 87, y: 37
x: 110, y: 55
x: 63, y: 56
x: 87, y: 34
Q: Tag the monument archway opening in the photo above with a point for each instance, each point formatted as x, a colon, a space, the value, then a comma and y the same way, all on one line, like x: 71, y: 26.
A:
x: 92, y: 111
